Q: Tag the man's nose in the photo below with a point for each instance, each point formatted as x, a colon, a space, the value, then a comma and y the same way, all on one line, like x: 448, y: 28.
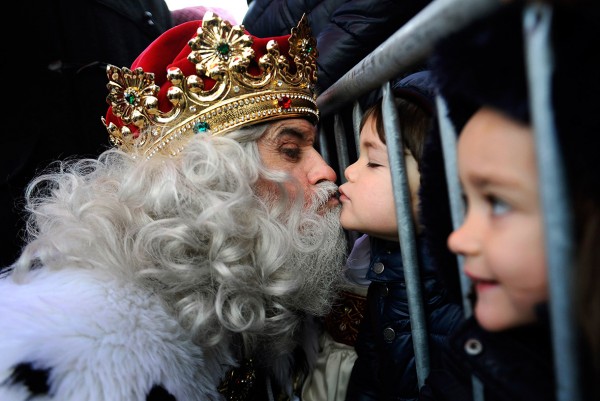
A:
x: 320, y: 170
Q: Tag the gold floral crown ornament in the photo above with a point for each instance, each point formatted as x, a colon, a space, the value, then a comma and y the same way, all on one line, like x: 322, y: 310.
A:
x: 228, y: 80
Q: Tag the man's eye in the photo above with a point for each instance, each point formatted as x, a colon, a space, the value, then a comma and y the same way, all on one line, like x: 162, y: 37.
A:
x: 499, y: 207
x: 291, y: 152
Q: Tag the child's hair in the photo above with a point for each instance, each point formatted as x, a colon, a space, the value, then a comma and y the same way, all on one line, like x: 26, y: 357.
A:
x: 415, y: 124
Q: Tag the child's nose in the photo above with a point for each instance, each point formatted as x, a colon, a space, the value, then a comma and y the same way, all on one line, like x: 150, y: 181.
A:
x: 463, y: 240
x: 348, y: 172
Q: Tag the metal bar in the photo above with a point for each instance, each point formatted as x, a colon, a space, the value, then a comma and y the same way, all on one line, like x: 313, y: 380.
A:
x: 409, y: 45
x: 323, y: 147
x: 406, y: 232
x: 357, y: 115
x: 537, y: 20
x: 457, y: 211
x: 457, y: 208
x: 341, y: 145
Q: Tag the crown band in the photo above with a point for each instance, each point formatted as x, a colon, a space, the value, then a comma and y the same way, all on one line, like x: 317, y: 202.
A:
x: 235, y: 114
x: 222, y: 56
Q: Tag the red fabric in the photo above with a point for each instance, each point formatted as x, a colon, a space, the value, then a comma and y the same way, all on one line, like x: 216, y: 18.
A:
x: 171, y: 50
x: 190, y: 13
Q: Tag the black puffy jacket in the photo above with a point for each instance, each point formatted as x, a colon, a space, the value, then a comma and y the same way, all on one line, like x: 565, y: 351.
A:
x: 346, y: 30
x: 512, y: 365
x: 385, y: 367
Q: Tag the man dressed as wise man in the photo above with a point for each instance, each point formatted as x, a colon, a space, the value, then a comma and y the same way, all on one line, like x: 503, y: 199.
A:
x: 189, y: 260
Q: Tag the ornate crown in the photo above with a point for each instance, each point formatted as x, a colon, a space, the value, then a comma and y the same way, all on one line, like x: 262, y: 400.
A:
x: 229, y: 84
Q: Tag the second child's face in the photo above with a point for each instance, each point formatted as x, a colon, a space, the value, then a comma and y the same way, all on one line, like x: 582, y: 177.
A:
x: 367, y: 197
x: 501, y: 237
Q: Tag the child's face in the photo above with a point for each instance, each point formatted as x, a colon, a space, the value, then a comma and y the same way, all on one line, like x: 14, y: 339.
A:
x: 502, y: 235
x: 367, y: 197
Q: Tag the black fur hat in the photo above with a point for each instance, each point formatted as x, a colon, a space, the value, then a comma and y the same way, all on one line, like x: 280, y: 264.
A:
x: 484, y: 64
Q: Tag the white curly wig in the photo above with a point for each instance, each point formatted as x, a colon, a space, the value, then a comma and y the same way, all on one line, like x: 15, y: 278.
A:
x: 193, y: 230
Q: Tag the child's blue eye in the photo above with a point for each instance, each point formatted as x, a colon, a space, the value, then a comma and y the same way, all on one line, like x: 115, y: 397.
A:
x: 465, y: 200
x: 499, y: 207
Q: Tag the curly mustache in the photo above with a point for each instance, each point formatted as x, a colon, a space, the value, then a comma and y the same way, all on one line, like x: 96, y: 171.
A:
x: 323, y: 192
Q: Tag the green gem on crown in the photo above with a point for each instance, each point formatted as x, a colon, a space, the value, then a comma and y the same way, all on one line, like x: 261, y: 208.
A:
x: 201, y: 126
x: 130, y: 98
x: 223, y: 49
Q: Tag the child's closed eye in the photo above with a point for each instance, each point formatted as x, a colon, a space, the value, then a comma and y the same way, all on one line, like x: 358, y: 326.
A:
x: 373, y: 165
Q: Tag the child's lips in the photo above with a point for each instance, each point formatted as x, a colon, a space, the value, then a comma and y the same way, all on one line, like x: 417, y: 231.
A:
x: 484, y: 285
x: 481, y: 284
x: 342, y: 196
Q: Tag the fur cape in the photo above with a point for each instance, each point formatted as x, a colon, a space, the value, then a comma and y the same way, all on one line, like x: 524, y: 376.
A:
x: 83, y: 334
x: 78, y: 334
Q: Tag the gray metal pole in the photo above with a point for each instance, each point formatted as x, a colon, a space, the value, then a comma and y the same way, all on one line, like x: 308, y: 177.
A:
x: 341, y: 145
x: 406, y: 232
x: 357, y: 114
x: 537, y: 20
x: 457, y: 210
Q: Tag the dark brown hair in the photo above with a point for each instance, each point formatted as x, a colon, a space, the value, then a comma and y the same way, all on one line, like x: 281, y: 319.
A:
x: 415, y: 124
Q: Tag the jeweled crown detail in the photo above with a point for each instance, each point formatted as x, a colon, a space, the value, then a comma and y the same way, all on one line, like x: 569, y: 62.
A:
x: 223, y: 53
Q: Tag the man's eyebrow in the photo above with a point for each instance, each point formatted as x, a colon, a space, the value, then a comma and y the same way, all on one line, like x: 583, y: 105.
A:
x: 297, y: 133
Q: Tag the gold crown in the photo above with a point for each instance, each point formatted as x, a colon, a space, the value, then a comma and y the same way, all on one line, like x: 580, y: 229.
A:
x: 223, y: 53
